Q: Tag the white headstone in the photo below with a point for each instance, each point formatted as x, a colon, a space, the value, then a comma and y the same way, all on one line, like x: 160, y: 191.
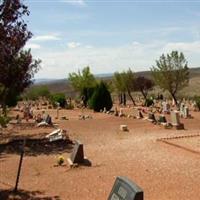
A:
x: 175, y: 118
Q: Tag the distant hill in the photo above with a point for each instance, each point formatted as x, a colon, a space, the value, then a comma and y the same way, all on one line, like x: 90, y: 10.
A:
x: 62, y: 85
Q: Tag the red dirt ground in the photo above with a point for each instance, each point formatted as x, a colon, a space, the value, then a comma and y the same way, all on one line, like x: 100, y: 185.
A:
x: 163, y: 171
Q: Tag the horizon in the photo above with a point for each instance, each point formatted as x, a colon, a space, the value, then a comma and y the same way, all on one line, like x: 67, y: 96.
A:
x: 110, y: 36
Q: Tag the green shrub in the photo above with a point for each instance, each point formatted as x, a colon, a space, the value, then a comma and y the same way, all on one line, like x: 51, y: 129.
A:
x: 101, y: 98
x: 58, y: 98
x: 149, y: 102
x: 4, y: 121
x: 197, y: 100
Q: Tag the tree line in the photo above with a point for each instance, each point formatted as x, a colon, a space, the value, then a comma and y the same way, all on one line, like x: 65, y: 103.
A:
x: 171, y: 74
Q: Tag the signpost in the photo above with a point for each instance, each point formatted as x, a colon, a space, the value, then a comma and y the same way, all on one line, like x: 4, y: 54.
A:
x: 20, y: 165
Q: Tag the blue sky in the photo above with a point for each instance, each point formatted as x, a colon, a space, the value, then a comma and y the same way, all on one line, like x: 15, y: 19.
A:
x: 110, y: 35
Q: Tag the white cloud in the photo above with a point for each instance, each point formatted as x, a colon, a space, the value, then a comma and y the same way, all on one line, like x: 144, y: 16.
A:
x: 45, y: 38
x: 75, y: 2
x: 73, y: 45
x: 189, y: 47
x: 32, y: 46
x: 138, y: 56
x: 89, y: 46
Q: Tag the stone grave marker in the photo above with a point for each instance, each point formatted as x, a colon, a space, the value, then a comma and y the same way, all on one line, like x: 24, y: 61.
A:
x: 176, y: 120
x: 77, y: 155
x: 186, y: 112
x: 139, y: 115
x: 166, y: 107
x: 182, y: 108
x: 162, y: 119
x: 116, y: 113
x: 125, y: 189
x: 151, y: 117
x: 121, y: 112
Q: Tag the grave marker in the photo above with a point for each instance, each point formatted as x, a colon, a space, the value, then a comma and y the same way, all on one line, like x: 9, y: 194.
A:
x: 77, y: 155
x: 176, y: 120
x: 151, y: 117
x: 125, y: 189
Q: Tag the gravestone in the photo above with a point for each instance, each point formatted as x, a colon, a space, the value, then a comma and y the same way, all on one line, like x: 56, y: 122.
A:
x: 151, y: 117
x: 77, y: 155
x: 139, y: 115
x: 116, y: 113
x: 162, y: 119
x: 182, y: 108
x: 166, y: 107
x: 186, y: 112
x: 125, y: 189
x: 121, y: 112
x: 176, y: 120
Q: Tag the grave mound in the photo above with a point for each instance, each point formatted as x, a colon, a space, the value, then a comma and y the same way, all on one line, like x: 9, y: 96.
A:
x: 36, y: 146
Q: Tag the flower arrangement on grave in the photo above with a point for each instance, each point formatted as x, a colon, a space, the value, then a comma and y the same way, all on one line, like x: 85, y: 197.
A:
x: 60, y: 160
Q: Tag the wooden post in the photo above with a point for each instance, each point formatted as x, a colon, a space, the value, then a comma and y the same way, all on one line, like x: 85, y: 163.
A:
x: 19, y: 168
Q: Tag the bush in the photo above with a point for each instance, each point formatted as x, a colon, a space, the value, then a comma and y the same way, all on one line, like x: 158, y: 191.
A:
x: 58, y: 98
x: 197, y: 100
x: 101, y: 98
x: 4, y: 121
x: 149, y: 102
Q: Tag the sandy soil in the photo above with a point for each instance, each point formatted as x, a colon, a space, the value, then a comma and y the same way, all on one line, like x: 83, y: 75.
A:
x: 163, y: 171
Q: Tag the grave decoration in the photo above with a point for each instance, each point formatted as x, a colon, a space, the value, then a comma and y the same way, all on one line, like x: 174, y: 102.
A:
x: 60, y: 160
x: 125, y: 189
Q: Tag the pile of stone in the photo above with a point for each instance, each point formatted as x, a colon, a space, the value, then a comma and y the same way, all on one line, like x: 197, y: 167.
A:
x: 84, y: 117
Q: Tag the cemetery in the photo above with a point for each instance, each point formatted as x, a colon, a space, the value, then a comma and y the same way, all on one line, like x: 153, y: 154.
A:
x: 97, y: 151
x: 75, y: 124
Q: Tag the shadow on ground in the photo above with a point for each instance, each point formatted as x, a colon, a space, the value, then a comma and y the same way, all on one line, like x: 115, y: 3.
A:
x: 36, y: 146
x: 25, y: 195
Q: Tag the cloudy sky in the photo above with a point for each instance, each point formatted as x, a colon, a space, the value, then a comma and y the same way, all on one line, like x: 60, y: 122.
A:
x: 111, y: 35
